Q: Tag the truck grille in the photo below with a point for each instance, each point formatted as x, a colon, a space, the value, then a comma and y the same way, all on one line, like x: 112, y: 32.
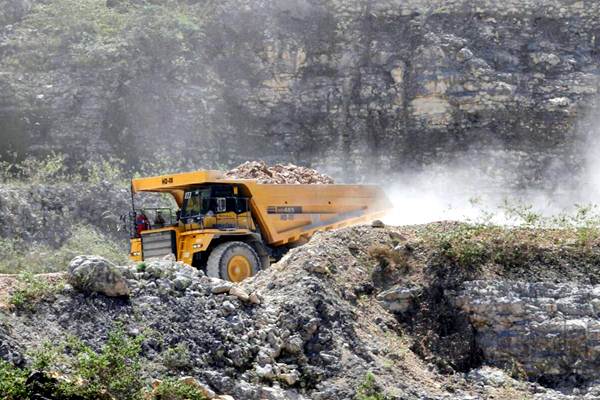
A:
x: 158, y: 244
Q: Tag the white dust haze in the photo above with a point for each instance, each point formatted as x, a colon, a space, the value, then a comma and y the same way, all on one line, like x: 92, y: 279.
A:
x: 478, y: 188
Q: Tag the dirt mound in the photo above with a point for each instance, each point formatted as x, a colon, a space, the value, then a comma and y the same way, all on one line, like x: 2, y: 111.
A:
x: 354, y: 312
x: 278, y: 173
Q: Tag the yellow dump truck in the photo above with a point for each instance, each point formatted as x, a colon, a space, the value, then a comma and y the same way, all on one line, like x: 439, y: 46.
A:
x: 231, y: 228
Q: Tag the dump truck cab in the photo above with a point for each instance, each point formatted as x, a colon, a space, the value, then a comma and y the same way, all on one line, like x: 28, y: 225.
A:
x: 232, y: 228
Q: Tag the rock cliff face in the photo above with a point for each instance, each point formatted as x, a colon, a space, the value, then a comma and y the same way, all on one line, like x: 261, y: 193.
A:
x: 552, y: 329
x: 349, y: 87
x: 13, y: 10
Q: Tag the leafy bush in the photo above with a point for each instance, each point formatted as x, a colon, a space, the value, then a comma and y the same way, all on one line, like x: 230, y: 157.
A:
x: 141, y: 267
x: 35, y: 170
x: 368, y: 389
x: 45, y: 356
x: 114, y: 372
x: 12, y: 382
x: 462, y: 246
x: 31, y: 289
x: 54, y: 169
x: 18, y: 256
x: 85, y: 30
x: 172, y: 389
x: 111, y: 169
x: 177, y: 357
x: 90, y: 33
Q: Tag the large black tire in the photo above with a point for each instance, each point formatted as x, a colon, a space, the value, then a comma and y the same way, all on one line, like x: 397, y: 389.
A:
x: 232, y: 261
x: 261, y: 251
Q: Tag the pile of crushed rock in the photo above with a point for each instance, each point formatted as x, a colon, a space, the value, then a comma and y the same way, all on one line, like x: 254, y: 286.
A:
x: 312, y: 326
x: 279, y: 173
x: 288, y: 333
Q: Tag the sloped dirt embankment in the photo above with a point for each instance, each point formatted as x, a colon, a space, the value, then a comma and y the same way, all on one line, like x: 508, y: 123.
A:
x: 350, y: 302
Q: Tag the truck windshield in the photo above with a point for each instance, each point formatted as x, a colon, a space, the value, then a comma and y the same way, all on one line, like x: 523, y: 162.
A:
x: 195, y: 202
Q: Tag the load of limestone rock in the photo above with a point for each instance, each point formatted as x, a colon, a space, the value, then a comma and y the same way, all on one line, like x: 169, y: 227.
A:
x: 278, y: 173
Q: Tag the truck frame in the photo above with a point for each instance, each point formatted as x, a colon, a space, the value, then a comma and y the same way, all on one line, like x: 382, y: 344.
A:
x: 232, y: 228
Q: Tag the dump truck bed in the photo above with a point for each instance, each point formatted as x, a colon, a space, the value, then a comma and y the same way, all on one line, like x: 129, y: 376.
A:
x: 289, y: 213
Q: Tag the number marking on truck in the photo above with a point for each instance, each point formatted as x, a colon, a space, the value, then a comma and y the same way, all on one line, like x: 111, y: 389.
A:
x: 284, y: 210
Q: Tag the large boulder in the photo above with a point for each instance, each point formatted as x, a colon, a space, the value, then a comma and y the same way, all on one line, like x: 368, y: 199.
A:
x: 93, y: 274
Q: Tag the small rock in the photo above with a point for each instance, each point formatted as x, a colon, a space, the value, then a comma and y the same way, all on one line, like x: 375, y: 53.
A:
x: 253, y: 298
x: 181, y: 283
x: 294, y: 344
x: 220, y: 289
x: 265, y: 372
x: 377, y: 224
x: 317, y: 267
x: 239, y: 293
x: 154, y: 270
x: 464, y: 54
x: 170, y: 257
x: 289, y: 378
x: 398, y: 298
x: 350, y: 295
x: 228, y: 307
x: 489, y: 376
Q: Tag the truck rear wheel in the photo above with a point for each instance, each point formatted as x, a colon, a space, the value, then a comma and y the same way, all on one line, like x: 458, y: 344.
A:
x: 232, y: 261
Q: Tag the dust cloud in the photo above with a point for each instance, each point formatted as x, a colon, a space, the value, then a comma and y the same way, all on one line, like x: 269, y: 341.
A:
x: 464, y: 195
x: 470, y: 190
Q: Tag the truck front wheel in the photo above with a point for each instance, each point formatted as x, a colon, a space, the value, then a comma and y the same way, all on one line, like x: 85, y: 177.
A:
x: 232, y: 261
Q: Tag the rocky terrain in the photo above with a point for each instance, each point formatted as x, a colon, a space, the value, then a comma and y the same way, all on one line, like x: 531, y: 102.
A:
x: 94, y: 92
x: 393, y: 304
x: 355, y: 88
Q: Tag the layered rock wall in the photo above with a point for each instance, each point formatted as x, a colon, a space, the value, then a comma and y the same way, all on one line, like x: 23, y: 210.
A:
x: 551, y: 330
x: 349, y: 87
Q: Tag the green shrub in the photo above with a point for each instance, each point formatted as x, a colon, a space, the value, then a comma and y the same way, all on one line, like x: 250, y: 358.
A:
x: 17, y: 256
x: 31, y: 289
x: 53, y: 169
x: 177, y: 357
x: 462, y: 245
x: 172, y: 389
x: 141, y: 267
x: 368, y: 389
x: 45, y: 356
x: 114, y: 372
x: 88, y: 33
x: 86, y: 239
x: 84, y: 30
x: 12, y: 382
x: 111, y: 169
x: 35, y: 170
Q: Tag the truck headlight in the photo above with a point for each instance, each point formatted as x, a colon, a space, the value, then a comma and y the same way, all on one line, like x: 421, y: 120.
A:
x: 135, y: 253
x: 197, y: 245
